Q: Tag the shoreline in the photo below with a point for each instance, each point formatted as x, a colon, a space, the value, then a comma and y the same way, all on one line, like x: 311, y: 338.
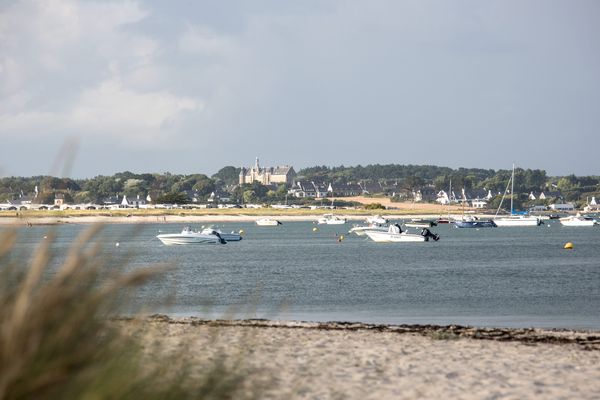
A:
x: 186, y: 218
x: 585, y: 339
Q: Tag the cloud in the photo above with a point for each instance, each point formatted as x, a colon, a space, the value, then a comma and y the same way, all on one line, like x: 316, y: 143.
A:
x: 198, y: 39
x: 132, y: 117
x: 79, y: 68
x: 296, y: 79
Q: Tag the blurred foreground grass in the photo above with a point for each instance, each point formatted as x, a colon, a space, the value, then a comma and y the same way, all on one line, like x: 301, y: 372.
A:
x: 58, y: 338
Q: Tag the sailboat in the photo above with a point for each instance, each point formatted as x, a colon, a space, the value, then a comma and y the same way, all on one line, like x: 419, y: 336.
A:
x: 514, y: 220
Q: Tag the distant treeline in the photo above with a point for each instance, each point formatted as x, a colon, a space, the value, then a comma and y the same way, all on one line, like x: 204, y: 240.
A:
x: 526, y: 180
x: 167, y: 186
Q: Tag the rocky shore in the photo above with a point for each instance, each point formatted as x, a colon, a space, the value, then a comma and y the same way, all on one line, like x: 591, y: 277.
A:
x: 311, y: 360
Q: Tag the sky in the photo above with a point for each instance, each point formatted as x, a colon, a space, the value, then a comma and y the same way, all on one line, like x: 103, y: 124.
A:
x: 96, y: 87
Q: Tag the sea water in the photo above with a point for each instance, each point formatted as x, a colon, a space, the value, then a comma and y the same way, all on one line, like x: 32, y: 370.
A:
x: 508, y: 277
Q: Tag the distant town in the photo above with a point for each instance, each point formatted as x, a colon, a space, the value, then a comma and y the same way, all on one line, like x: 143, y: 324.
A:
x: 282, y: 186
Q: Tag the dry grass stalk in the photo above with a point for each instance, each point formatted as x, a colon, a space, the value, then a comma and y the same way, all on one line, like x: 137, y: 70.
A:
x: 57, y: 340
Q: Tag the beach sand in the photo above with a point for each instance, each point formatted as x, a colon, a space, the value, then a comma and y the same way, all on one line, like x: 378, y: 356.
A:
x: 356, y: 361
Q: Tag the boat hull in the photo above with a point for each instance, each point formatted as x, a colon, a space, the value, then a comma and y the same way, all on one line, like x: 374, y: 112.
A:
x: 386, y: 237
x: 176, y: 239
x: 329, y: 221
x: 231, y: 237
x: 267, y: 222
x: 474, y: 224
x: 508, y: 222
x: 420, y: 224
x: 362, y: 230
x: 578, y: 223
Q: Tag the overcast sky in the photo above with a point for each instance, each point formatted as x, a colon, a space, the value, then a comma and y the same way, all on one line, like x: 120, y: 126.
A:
x: 89, y: 88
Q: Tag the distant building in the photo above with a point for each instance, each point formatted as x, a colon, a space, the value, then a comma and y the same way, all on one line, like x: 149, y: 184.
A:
x: 426, y: 194
x: 132, y: 203
x: 267, y: 176
x: 371, y: 187
x: 59, y: 199
x: 348, y: 189
x: 478, y: 203
x: 219, y: 196
x: 562, y: 207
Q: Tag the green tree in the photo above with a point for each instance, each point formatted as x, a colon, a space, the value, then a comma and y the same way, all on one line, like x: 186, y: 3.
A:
x: 249, y: 196
x: 172, y: 198
x: 204, y: 185
x: 228, y: 175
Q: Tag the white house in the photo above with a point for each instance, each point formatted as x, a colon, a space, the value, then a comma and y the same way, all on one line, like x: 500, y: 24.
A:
x: 592, y: 206
x: 478, y: 203
x: 562, y: 207
x: 134, y: 203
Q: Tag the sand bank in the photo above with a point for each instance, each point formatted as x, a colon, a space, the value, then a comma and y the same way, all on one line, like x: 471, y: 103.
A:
x: 302, y: 360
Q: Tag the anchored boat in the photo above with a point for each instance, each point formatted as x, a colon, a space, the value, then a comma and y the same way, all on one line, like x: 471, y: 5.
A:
x: 513, y: 219
x: 578, y: 221
x: 331, y: 219
x: 189, y: 236
x: 267, y: 222
x: 395, y: 234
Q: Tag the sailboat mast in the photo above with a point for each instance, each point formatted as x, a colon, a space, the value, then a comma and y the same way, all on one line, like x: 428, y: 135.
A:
x: 512, y: 189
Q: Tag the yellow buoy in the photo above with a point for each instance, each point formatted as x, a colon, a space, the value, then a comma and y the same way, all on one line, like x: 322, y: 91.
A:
x: 315, y: 229
x: 241, y: 232
x: 568, y: 246
x: 342, y: 237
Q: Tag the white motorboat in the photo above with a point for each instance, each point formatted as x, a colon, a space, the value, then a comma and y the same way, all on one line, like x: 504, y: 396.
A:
x: 331, y: 219
x: 420, y: 223
x: 228, y: 237
x: 267, y: 222
x: 377, y: 219
x: 189, y: 236
x: 517, y: 220
x: 395, y: 234
x: 578, y: 220
x: 512, y: 219
x: 362, y: 230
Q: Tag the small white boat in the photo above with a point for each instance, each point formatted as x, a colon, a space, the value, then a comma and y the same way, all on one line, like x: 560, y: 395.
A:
x: 228, y: 237
x: 377, y: 219
x: 395, y: 234
x: 267, y: 222
x: 331, y: 219
x: 578, y: 220
x: 517, y: 220
x: 420, y: 223
x: 362, y: 230
x: 189, y: 236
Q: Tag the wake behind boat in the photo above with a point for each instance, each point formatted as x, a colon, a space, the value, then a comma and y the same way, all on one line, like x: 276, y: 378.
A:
x: 189, y: 236
x: 395, y: 234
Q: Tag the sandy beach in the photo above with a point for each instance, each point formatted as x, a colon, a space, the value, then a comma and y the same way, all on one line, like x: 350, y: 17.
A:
x: 301, y: 360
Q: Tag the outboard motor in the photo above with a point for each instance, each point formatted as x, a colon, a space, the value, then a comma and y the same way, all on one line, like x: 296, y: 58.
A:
x: 427, y: 234
x: 220, y: 238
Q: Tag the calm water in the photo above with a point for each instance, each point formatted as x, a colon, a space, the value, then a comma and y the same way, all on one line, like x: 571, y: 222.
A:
x: 489, y: 277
